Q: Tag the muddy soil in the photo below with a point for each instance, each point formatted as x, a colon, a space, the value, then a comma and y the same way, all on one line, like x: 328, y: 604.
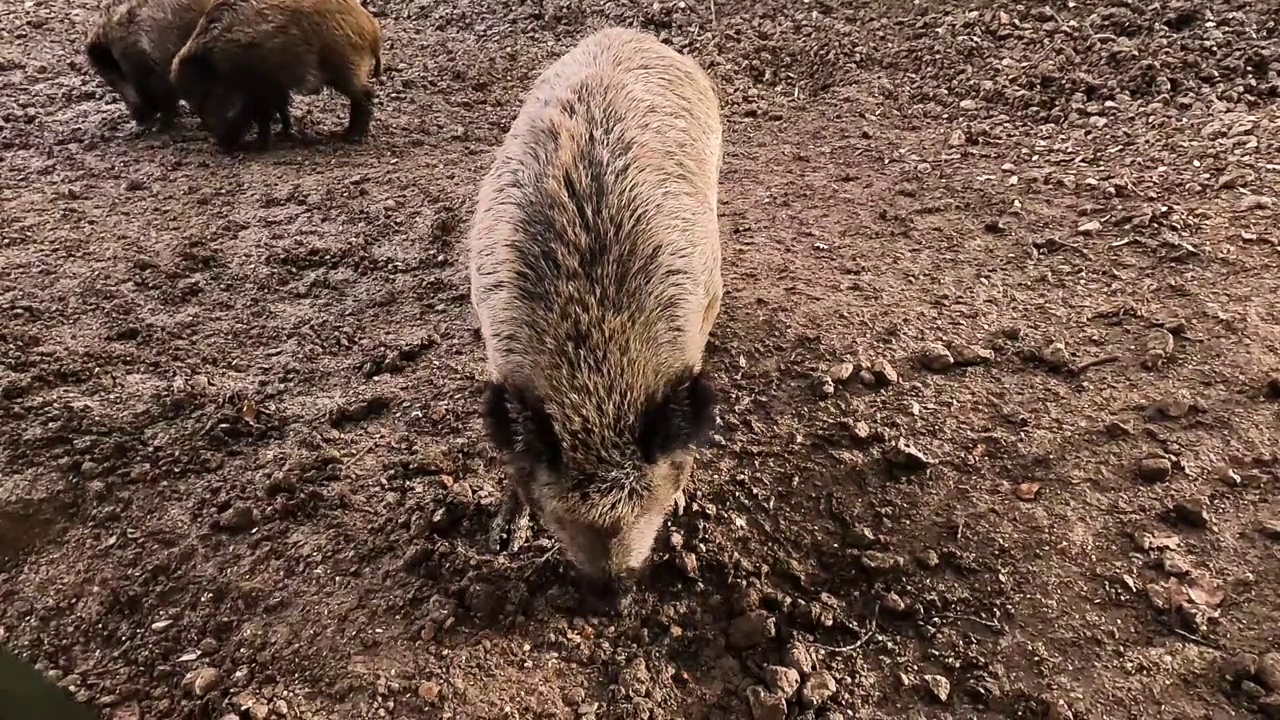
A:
x: 1000, y: 353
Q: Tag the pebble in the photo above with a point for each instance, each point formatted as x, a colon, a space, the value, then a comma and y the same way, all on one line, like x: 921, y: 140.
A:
x: 877, y: 561
x: 1191, y: 512
x: 937, y: 358
x: 840, y: 372
x: 429, y: 691
x: 1239, y: 177
x: 800, y: 659
x: 967, y: 355
x: 883, y: 373
x: 1270, y: 529
x: 905, y: 457
x: 202, y: 681
x: 939, y: 687
x: 1056, y: 356
x: 237, y: 519
x: 765, y: 705
x: 259, y: 711
x: 968, y: 105
x: 1155, y: 469
x: 1089, y: 228
x: 1257, y: 202
x: 1027, y: 491
x: 817, y: 689
x: 751, y: 629
x: 1169, y: 408
x: 784, y: 681
x: 824, y: 386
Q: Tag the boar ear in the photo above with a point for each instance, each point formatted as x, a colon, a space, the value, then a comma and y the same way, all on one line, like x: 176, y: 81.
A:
x: 518, y: 422
x: 680, y: 417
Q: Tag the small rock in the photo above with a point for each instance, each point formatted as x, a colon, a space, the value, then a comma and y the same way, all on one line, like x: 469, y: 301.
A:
x: 939, y: 687
x: 1191, y: 512
x: 237, y: 519
x: 817, y: 689
x: 800, y: 659
x: 928, y: 559
x: 1257, y: 202
x: 1238, y: 177
x: 968, y: 105
x: 1169, y: 408
x: 751, y: 629
x: 202, y: 681
x: 1270, y: 529
x: 1269, y: 671
x: 765, y: 705
x: 280, y: 708
x: 1118, y: 429
x: 1089, y: 228
x: 1159, y: 346
x: 866, y: 378
x: 884, y: 373
x: 259, y: 711
x: 1175, y: 565
x: 864, y: 433
x: 429, y: 691
x: 1056, y: 355
x: 784, y: 681
x: 1026, y: 492
x: 937, y: 358
x: 824, y: 386
x: 967, y: 355
x: 893, y: 604
x: 841, y: 372
x: 1227, y: 475
x: 906, y: 458
x: 882, y: 562
x: 1155, y: 469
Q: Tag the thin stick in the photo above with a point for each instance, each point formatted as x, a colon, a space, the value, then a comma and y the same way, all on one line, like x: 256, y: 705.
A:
x: 990, y: 625
x: 1094, y: 362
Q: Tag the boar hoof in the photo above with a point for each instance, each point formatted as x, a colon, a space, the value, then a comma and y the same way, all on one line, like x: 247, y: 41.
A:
x: 511, y: 528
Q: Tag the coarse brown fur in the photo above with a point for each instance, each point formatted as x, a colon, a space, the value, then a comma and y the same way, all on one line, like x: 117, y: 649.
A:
x: 595, y: 276
x: 131, y: 47
x: 247, y: 56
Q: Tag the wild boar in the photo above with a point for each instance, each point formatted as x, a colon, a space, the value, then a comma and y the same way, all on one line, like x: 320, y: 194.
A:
x: 594, y: 255
x: 246, y: 57
x: 131, y: 47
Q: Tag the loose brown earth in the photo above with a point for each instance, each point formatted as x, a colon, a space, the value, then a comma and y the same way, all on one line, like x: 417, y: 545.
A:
x: 238, y: 396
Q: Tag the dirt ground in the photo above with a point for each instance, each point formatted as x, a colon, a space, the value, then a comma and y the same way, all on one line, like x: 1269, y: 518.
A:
x: 1000, y: 354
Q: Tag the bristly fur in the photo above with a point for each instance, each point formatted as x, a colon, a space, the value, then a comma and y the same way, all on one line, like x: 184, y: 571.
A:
x: 247, y: 56
x: 131, y: 47
x: 595, y: 274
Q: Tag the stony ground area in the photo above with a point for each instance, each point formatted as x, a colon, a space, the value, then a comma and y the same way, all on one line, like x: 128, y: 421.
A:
x: 1000, y: 351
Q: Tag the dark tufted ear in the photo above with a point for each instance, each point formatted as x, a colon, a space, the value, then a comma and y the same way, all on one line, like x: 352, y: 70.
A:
x: 102, y: 59
x: 518, y: 422
x: 682, y: 416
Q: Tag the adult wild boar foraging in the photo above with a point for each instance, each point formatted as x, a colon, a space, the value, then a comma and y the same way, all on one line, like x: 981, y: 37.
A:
x: 246, y: 57
x: 595, y: 276
x: 131, y: 47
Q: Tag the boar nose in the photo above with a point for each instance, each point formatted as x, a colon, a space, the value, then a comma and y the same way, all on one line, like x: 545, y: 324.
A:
x: 606, y: 596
